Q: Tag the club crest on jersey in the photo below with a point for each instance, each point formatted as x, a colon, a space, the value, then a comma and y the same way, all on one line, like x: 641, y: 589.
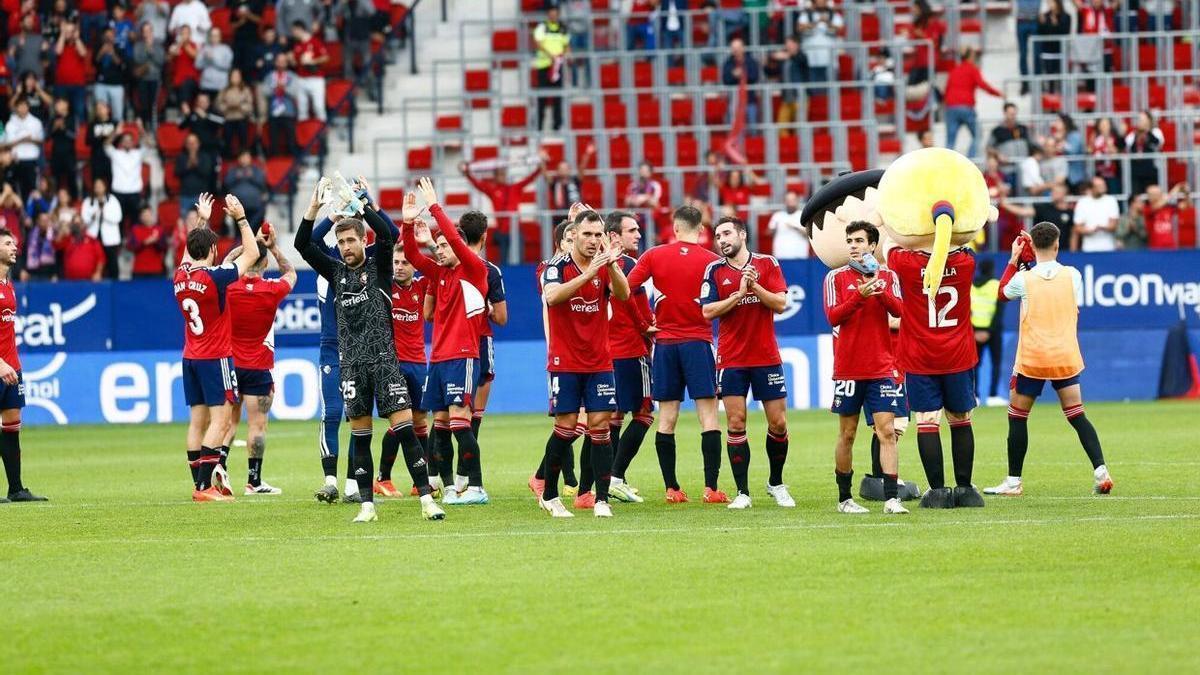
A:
x: 596, y: 283
x: 363, y: 276
x: 683, y: 250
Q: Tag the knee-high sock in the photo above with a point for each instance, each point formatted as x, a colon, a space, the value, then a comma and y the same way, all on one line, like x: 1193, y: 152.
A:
x: 364, y: 464
x: 468, y: 451
x: 560, y: 439
x: 418, y: 470
x: 209, y: 459
x: 962, y: 449
x: 843, y: 484
x: 1088, y: 437
x: 1018, y: 439
x: 739, y: 458
x: 710, y: 449
x: 614, y: 431
x: 193, y: 457
x: 476, y: 422
x: 876, y: 464
x: 587, y: 471
x: 664, y: 445
x: 10, y: 453
x: 224, y: 452
x: 890, y: 486
x: 390, y: 449
x: 443, y: 451
x: 602, y: 461
x: 568, y: 465
x: 777, y: 451
x: 630, y: 443
x: 929, y: 445
x: 423, y: 438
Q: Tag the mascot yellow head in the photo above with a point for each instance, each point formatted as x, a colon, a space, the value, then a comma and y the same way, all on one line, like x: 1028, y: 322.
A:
x: 928, y: 199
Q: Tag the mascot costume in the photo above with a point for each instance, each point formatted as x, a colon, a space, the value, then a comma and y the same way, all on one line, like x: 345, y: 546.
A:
x: 927, y: 204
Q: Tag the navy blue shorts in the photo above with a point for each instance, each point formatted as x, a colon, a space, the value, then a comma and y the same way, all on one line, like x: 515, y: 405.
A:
x: 332, y: 404
x: 883, y: 395
x: 487, y: 360
x: 414, y: 375
x: 254, y: 382
x: 13, y: 395
x: 1031, y: 386
x: 684, y: 364
x: 633, y: 384
x: 767, y: 382
x: 594, y: 392
x: 209, y: 382
x: 449, y: 383
x: 930, y: 393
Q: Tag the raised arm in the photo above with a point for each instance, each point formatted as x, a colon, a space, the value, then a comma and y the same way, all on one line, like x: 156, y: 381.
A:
x: 312, y: 254
x: 320, y: 230
x: 531, y: 177
x: 383, y: 246
x: 471, y: 262
x: 249, y: 254
x: 287, y: 271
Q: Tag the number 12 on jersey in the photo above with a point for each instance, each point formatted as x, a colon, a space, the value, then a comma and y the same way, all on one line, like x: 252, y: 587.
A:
x: 937, y: 317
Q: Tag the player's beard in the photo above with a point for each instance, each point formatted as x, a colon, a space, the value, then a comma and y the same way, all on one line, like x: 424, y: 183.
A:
x: 734, y: 250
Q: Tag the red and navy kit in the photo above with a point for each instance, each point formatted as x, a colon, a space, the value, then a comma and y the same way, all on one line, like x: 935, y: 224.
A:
x: 864, y: 368
x: 629, y: 346
x: 487, y: 349
x: 253, y: 303
x: 683, y: 354
x: 408, y: 330
x: 11, y: 395
x: 458, y: 294
x: 747, y: 351
x: 208, y: 375
x: 577, y: 357
x: 937, y: 343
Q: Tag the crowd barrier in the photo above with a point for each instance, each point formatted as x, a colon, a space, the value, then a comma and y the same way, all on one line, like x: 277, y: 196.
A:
x: 110, y: 352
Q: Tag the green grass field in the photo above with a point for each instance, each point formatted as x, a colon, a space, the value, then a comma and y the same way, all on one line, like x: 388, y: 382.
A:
x: 121, y: 572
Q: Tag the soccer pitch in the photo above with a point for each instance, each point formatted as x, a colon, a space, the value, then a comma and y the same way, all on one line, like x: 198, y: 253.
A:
x: 121, y: 572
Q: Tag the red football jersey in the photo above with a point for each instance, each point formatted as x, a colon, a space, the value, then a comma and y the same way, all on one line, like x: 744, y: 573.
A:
x: 458, y: 292
x: 936, y: 336
x: 408, y: 320
x: 677, y: 270
x: 862, y: 341
x: 745, y: 335
x: 8, y: 325
x: 578, y: 339
x: 253, y: 303
x: 628, y: 320
x: 200, y: 292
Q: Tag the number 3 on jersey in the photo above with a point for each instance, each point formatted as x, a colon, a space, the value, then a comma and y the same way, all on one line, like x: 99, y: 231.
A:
x: 937, y: 317
x: 195, y: 323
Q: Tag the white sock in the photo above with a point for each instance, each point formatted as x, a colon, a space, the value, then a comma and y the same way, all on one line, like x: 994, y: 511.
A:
x: 426, y: 499
x: 351, y: 486
x: 615, y: 481
x: 1014, y: 480
x: 331, y: 480
x: 461, y: 482
x: 1101, y: 471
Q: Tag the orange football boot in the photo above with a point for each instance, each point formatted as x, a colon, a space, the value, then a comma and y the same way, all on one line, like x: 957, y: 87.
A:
x: 585, y: 500
x: 212, y: 494
x: 385, y: 488
x: 537, y: 485
x: 712, y: 496
x: 675, y: 496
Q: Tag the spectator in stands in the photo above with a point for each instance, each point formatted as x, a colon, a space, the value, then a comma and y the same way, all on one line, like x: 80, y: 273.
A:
x: 672, y: 26
x: 236, y: 106
x: 1088, y: 47
x: 821, y: 27
x: 101, y: 213
x: 60, y: 15
x: 12, y: 210
x: 83, y: 257
x: 310, y: 56
x: 790, y: 237
x: 39, y: 200
x: 289, y: 12
x: 27, y: 50
x: 194, y: 15
x: 247, y: 18
x: 551, y: 45
x: 641, y: 24
x: 357, y: 17
x: 1096, y: 216
x: 1131, y: 230
x: 1160, y: 15
x: 126, y: 156
x: 1011, y: 139
x: 925, y: 138
x: 506, y: 200
x: 30, y: 89
x: 100, y: 128
x: 1054, y: 164
x: 1069, y: 140
x: 925, y: 26
x: 279, y: 93
x: 265, y: 52
x: 93, y: 16
x: 1106, y: 145
x: 185, y: 77
x: 724, y: 22
x: 25, y: 134
x: 157, y: 13
x: 1034, y: 183
x: 215, y: 60
x: 959, y: 98
x: 565, y: 187
x: 62, y: 147
x: 1058, y: 211
x: 110, y: 75
x: 148, y: 60
x: 70, y: 69
x: 247, y: 181
x: 735, y: 192
x: 123, y: 29
x: 1027, y: 27
x: 201, y: 121
x: 194, y: 168
x: 1145, y: 137
x: 739, y: 68
x: 148, y: 241
x: 793, y: 71
x: 1162, y: 218
x: 41, y: 261
x: 1185, y: 212
x: 63, y: 209
x: 707, y: 185
x: 188, y: 222
x: 644, y: 192
x: 578, y: 18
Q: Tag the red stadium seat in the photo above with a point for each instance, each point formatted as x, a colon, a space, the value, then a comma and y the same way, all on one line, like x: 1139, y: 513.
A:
x: 610, y: 75
x: 710, y: 75
x: 614, y: 114
x: 643, y: 74
x: 339, y: 97
x: 818, y: 108
x: 168, y: 212
x: 391, y: 198
x: 687, y: 151
x: 851, y: 104
x: 170, y: 139
x: 281, y: 175
x: 449, y: 123
x: 459, y: 199
x: 1156, y: 96
x: 485, y: 152
x: 789, y: 149
x: 676, y: 76
x: 715, y: 109
x: 420, y: 159
x: 581, y: 116
x: 514, y: 117
x: 220, y: 17
x: 170, y: 179
x: 756, y: 150
x: 504, y: 40
x: 682, y: 111
x: 334, y: 66
x: 592, y: 192
x: 477, y: 80
x: 648, y: 116
x: 310, y: 136
x: 822, y: 147
x: 554, y: 152
x: 1122, y: 98
x: 652, y: 149
x: 618, y: 152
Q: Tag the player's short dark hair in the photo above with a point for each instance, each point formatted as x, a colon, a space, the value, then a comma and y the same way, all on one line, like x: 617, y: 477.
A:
x: 738, y: 223
x: 350, y: 224
x: 200, y: 242
x: 5, y: 232
x: 864, y: 226
x: 587, y: 217
x: 612, y: 222
x: 398, y: 247
x: 473, y: 225
x: 1044, y: 235
x: 560, y: 231
x: 689, y: 215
